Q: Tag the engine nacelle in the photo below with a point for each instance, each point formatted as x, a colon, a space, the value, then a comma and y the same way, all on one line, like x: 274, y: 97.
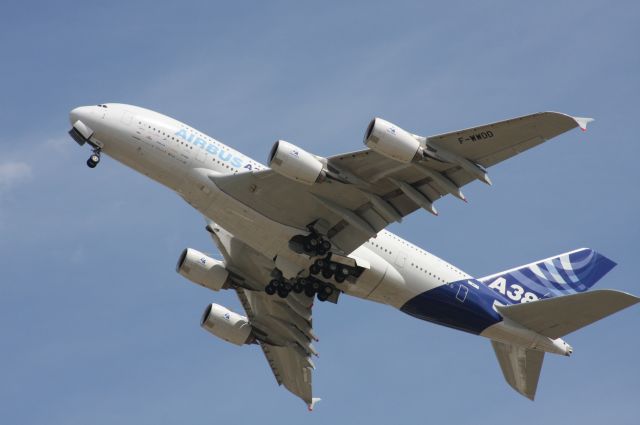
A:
x: 225, y: 324
x: 391, y: 141
x: 295, y: 163
x: 202, y: 269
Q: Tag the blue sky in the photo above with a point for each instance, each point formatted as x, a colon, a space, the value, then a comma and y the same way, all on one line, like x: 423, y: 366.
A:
x: 98, y: 328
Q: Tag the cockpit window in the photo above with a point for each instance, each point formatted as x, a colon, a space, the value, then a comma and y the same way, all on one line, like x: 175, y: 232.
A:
x: 102, y: 106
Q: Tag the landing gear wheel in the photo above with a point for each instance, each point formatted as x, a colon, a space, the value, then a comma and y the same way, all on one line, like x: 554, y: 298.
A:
x: 307, y: 247
x: 327, y: 273
x: 325, y: 293
x: 341, y: 274
x: 94, y: 159
x: 309, y: 291
x: 298, y: 287
x: 314, y: 269
x: 325, y: 245
x: 282, y: 291
x: 270, y: 289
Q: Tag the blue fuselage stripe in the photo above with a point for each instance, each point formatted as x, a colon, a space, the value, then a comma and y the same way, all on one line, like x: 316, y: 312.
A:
x: 457, y: 305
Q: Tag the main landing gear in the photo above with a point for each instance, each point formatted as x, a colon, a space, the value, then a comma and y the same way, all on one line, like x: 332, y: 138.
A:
x: 333, y: 269
x: 312, y: 244
x: 331, y: 266
x: 310, y: 286
x: 326, y: 270
x: 94, y: 159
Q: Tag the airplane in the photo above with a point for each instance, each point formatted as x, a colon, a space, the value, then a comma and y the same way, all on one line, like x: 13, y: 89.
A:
x: 305, y: 227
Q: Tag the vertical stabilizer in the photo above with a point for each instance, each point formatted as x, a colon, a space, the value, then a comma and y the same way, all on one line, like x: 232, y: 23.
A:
x: 564, y: 274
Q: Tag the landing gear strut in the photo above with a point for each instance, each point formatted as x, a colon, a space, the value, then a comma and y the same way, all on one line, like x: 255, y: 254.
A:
x: 94, y: 159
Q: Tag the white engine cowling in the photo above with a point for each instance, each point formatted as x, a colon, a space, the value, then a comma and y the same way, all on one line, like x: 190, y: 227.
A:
x: 225, y: 324
x: 295, y: 163
x: 391, y: 141
x: 202, y: 269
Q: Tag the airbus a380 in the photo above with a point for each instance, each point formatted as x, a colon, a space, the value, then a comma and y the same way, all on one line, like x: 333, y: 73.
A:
x: 306, y: 227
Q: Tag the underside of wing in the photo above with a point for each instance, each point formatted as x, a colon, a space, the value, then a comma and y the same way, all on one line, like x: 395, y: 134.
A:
x: 490, y: 144
x: 281, y: 326
x: 362, y: 192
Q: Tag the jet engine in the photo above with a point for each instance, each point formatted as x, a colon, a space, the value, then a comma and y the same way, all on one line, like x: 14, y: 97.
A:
x: 295, y: 163
x: 391, y: 141
x: 227, y: 325
x: 202, y: 269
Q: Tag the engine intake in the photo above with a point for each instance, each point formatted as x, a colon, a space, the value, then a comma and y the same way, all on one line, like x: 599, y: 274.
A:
x: 227, y: 325
x: 295, y: 163
x: 202, y: 269
x: 391, y: 141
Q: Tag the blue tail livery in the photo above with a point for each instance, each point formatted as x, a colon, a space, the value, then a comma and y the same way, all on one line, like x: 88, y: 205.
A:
x: 564, y: 274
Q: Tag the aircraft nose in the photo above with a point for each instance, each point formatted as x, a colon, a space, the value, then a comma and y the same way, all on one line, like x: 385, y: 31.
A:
x: 80, y: 113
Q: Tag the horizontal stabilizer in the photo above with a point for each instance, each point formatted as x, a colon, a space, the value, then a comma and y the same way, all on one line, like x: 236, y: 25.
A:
x: 556, y: 317
x: 520, y: 367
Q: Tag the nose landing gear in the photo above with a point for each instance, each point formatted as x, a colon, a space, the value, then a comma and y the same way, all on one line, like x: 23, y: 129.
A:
x: 94, y: 159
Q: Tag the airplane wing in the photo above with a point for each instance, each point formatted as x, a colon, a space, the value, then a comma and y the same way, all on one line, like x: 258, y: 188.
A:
x: 282, y: 326
x: 370, y: 190
x: 286, y: 324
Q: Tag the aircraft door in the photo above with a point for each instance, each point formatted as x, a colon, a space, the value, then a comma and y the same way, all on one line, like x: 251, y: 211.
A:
x: 461, y: 295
